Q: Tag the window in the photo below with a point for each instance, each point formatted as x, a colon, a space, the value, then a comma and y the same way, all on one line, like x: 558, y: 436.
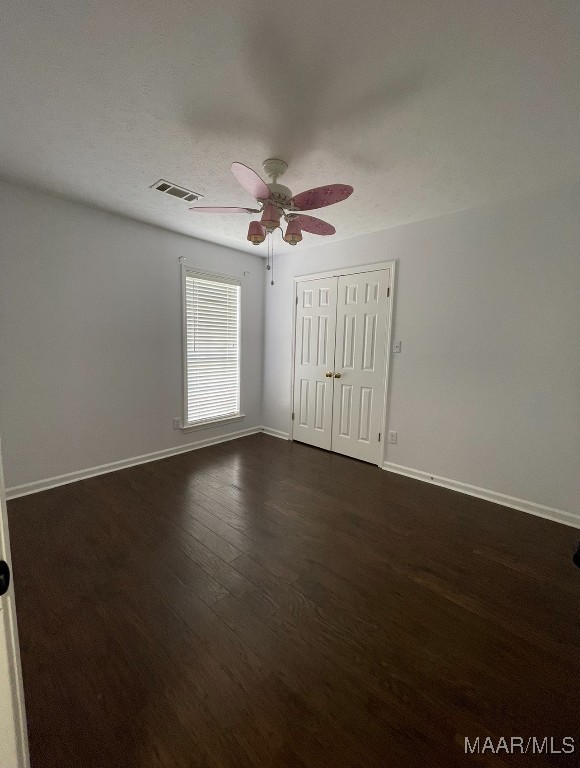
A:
x: 212, y: 348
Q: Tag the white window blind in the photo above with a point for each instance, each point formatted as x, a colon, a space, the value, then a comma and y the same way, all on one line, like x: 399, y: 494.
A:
x: 212, y: 354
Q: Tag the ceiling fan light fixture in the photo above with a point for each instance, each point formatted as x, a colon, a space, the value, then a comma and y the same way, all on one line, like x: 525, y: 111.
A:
x: 270, y: 217
x: 256, y: 233
x: 293, y: 233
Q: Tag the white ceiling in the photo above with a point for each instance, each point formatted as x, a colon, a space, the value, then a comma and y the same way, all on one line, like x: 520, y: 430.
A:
x: 424, y: 107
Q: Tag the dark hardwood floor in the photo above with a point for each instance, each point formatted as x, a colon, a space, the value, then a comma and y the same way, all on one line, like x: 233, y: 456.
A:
x: 263, y: 603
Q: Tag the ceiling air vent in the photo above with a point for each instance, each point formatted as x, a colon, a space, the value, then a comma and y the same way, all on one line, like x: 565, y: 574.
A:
x: 175, y: 191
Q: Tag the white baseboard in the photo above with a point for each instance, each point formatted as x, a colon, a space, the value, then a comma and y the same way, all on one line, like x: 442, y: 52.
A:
x: 557, y: 515
x: 71, y: 477
x: 276, y: 433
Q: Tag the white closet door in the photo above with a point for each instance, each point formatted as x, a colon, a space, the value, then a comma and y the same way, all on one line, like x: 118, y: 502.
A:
x: 360, y: 362
x: 314, y: 360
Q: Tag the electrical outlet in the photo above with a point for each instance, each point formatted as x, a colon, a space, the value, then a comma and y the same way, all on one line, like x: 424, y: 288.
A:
x: 392, y: 437
x: 176, y: 423
x: 397, y: 346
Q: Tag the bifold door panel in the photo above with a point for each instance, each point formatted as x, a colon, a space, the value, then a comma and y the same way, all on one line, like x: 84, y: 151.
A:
x: 314, y: 360
x: 360, y: 358
x: 340, y: 363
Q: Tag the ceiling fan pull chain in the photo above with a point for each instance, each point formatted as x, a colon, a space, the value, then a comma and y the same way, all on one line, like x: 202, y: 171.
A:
x: 268, y: 251
x: 272, y: 280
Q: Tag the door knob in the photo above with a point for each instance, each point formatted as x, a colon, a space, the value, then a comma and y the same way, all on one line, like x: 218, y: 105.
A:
x: 328, y: 374
x: 4, y: 577
x: 337, y: 375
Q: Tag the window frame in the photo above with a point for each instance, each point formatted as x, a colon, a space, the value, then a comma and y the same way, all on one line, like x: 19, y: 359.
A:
x: 203, y: 274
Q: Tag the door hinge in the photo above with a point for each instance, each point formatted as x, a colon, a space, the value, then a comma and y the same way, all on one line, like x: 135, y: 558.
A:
x: 388, y: 291
x: 379, y: 437
x: 292, y: 415
x: 296, y: 300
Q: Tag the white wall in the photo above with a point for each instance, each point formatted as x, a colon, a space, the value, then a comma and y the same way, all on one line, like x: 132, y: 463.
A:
x: 90, y: 335
x: 486, y: 390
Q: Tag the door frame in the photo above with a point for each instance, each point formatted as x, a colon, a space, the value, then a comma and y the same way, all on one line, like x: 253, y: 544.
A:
x: 339, y: 272
x: 8, y: 618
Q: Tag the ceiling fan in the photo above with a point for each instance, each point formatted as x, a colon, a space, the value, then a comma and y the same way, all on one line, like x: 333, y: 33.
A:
x: 277, y: 202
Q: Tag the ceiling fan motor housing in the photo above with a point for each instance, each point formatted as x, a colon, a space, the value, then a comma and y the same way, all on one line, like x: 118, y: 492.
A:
x: 281, y: 195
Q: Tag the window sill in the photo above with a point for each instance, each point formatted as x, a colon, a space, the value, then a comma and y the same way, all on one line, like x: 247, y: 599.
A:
x: 212, y: 423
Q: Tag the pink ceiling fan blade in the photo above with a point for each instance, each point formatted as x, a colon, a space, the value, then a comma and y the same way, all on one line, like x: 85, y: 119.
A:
x: 319, y: 197
x: 251, y: 182
x: 314, y: 225
x: 222, y: 209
